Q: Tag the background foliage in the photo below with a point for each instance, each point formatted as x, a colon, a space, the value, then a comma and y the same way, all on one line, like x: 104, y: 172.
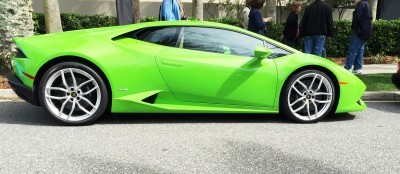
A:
x: 386, y: 39
x: 227, y: 20
x: 74, y: 22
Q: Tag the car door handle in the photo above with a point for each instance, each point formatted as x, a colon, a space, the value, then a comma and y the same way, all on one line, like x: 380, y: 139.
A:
x: 171, y: 63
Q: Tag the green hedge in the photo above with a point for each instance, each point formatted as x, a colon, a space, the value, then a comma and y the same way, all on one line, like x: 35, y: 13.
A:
x: 74, y: 22
x: 386, y: 39
x: 227, y: 20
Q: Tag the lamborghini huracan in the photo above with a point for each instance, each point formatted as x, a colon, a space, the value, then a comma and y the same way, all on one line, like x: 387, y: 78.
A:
x: 177, y: 67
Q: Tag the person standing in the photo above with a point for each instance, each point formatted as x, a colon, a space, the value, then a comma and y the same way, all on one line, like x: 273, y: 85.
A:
x: 182, y: 10
x: 171, y: 10
x: 316, y: 24
x: 361, y: 26
x: 291, y: 30
x: 256, y: 22
x: 245, y: 14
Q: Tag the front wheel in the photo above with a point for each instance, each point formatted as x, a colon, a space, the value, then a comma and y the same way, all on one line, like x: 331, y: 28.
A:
x: 308, y: 96
x: 73, y: 93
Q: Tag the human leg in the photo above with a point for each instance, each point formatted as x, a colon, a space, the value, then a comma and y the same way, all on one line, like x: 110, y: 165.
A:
x: 319, y: 45
x: 308, y: 44
x: 358, y: 62
x: 352, y: 52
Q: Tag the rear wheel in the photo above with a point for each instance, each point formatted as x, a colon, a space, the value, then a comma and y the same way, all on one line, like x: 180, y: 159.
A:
x: 308, y: 96
x: 73, y: 93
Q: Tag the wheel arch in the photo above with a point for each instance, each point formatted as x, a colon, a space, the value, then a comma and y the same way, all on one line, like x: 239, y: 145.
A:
x: 314, y: 67
x: 77, y: 59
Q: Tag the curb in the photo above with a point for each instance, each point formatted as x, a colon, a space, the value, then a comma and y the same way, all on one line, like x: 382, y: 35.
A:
x: 8, y: 94
x: 381, y: 96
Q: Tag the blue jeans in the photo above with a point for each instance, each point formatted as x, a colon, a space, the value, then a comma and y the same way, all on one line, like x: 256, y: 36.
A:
x: 290, y: 42
x: 356, y: 52
x: 314, y: 44
x: 323, y: 54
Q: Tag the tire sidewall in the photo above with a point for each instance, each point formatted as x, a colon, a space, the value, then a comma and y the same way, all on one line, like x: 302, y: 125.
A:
x: 103, y: 91
x: 285, y: 108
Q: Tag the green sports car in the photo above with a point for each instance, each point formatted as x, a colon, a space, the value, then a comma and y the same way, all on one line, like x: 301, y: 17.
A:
x: 177, y: 67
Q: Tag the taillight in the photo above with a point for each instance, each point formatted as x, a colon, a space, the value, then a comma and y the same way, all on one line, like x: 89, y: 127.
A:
x: 20, y: 54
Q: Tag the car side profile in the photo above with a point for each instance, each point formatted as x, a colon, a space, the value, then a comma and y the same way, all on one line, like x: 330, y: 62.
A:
x: 177, y: 67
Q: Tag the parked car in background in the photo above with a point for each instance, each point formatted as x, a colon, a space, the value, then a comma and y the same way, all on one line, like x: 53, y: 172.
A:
x: 396, y: 77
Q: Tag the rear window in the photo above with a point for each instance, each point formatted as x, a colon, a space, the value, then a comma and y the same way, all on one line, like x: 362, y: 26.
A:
x: 167, y: 36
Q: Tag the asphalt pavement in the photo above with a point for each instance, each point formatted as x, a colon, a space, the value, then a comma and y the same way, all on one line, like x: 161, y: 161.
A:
x: 360, y: 142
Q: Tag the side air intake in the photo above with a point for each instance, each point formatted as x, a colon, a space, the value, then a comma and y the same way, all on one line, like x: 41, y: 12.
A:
x: 151, y: 99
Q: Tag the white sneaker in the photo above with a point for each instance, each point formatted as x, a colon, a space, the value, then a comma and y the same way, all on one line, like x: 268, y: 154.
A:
x: 350, y: 70
x: 357, y: 71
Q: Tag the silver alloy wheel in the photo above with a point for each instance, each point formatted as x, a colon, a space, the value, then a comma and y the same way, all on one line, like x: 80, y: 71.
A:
x: 72, y: 94
x: 310, y: 96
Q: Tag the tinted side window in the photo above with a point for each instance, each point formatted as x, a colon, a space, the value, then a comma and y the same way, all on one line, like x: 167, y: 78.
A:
x: 162, y: 36
x: 277, y: 52
x: 219, y: 41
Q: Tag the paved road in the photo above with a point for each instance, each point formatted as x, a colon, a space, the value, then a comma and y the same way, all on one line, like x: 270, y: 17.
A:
x: 364, y: 142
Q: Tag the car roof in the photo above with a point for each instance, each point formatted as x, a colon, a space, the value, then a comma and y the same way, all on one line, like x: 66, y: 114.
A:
x: 196, y: 23
x: 190, y: 23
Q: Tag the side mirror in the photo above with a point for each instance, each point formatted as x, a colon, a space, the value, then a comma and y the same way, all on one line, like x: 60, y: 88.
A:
x: 262, y: 52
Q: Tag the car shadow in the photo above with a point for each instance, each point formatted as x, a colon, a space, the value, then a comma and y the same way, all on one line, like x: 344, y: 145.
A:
x: 339, y: 117
x: 25, y: 114
x: 208, y: 118
x: 392, y: 107
x: 161, y: 118
x: 17, y: 112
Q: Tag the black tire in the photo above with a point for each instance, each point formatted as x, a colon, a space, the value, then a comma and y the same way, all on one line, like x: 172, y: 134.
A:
x: 303, y: 95
x: 94, y: 103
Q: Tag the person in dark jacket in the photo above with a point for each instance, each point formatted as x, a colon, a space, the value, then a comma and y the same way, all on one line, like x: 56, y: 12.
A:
x: 316, y: 24
x: 291, y: 30
x: 361, y: 31
x: 256, y: 22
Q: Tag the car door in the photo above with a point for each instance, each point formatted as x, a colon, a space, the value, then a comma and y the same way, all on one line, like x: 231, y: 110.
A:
x: 217, y: 66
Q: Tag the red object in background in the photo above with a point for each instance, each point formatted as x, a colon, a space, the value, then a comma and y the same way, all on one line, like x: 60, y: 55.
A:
x: 396, y: 77
x: 398, y: 67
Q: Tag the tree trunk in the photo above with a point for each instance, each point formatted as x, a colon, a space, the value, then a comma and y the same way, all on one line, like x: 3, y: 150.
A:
x: 136, y: 11
x: 341, y: 12
x: 374, y: 7
x: 15, y: 21
x: 197, y: 9
x: 270, y: 9
x: 52, y: 16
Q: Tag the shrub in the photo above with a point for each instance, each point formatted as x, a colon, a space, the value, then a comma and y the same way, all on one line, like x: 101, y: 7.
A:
x: 74, y: 22
x: 386, y: 39
x: 227, y: 20
x: 39, y: 26
x: 149, y: 19
x: 274, y: 31
x: 338, y: 45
